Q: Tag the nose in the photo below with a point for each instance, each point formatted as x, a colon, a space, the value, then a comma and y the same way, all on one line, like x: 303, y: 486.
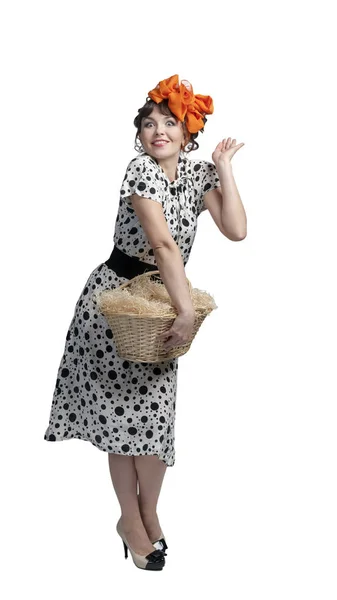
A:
x: 160, y: 129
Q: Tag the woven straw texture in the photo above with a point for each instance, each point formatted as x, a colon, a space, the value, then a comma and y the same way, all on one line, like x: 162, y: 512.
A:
x: 137, y: 335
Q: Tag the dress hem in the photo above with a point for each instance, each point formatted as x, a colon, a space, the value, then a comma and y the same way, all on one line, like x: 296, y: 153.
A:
x: 84, y: 439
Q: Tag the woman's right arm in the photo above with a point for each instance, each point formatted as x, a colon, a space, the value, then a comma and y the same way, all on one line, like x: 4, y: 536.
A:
x: 168, y: 257
x: 171, y: 267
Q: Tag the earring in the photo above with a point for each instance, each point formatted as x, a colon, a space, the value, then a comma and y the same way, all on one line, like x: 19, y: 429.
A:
x: 138, y: 145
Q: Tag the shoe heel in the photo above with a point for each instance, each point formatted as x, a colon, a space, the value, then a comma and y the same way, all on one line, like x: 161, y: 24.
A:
x: 125, y: 549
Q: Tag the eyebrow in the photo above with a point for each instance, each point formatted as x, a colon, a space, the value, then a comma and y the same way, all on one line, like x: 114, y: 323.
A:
x: 167, y: 116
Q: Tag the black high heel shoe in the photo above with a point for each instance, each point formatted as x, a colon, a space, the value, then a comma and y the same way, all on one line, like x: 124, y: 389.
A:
x: 154, y: 561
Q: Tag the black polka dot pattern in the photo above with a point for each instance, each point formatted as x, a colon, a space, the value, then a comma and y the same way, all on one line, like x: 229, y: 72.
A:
x: 181, y: 200
x: 120, y: 406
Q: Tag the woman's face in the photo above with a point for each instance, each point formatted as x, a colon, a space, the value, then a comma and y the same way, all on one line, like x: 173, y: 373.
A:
x: 161, y: 135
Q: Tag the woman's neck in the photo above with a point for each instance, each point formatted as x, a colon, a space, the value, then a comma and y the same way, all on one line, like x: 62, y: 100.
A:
x: 170, y: 166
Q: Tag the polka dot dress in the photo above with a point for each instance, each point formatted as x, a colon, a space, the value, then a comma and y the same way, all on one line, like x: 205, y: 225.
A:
x: 121, y: 406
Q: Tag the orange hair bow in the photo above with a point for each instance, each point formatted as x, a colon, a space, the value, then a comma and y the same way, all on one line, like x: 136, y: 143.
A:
x: 182, y: 102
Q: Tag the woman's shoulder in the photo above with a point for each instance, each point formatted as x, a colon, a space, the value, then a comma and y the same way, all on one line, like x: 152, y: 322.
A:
x: 141, y: 174
x: 141, y: 160
x: 198, y: 163
x: 144, y: 167
x: 199, y: 169
x: 203, y: 173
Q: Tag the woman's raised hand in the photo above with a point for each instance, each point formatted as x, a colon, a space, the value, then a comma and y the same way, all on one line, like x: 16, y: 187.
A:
x: 225, y: 150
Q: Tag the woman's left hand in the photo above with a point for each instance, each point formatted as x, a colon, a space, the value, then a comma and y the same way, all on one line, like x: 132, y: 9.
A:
x: 225, y: 150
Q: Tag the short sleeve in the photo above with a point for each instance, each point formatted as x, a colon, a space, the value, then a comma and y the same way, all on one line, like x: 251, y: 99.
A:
x: 141, y: 178
x: 208, y: 180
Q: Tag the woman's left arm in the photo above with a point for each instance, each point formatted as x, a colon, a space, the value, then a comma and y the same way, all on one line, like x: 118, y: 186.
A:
x: 228, y: 201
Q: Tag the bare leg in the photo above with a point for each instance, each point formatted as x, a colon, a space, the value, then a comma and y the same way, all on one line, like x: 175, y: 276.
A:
x: 150, y: 471
x: 124, y: 479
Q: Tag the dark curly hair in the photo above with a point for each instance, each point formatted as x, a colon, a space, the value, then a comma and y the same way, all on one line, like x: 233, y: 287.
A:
x: 146, y: 110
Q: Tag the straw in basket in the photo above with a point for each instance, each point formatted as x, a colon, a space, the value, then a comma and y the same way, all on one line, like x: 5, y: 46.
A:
x: 137, y: 335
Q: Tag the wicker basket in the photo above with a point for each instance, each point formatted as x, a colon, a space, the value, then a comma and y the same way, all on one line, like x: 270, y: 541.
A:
x: 136, y: 336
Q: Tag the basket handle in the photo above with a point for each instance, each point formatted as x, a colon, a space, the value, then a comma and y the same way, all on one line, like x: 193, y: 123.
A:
x: 145, y: 274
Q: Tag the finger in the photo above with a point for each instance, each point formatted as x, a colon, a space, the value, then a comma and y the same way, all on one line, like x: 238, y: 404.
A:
x: 169, y: 347
x: 164, y: 335
x: 171, y: 343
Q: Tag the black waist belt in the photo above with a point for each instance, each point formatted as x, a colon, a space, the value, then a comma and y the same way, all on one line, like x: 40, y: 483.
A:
x: 127, y: 266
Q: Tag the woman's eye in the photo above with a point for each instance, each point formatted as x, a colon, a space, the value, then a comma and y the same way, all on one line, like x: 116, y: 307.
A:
x: 149, y: 123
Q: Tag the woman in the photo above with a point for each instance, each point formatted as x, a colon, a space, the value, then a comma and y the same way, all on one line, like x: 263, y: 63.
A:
x: 124, y: 408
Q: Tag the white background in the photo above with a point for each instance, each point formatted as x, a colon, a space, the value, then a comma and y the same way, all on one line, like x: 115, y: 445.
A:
x: 249, y: 508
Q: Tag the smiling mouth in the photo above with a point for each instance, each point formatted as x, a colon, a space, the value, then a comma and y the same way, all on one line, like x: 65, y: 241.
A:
x: 159, y: 143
